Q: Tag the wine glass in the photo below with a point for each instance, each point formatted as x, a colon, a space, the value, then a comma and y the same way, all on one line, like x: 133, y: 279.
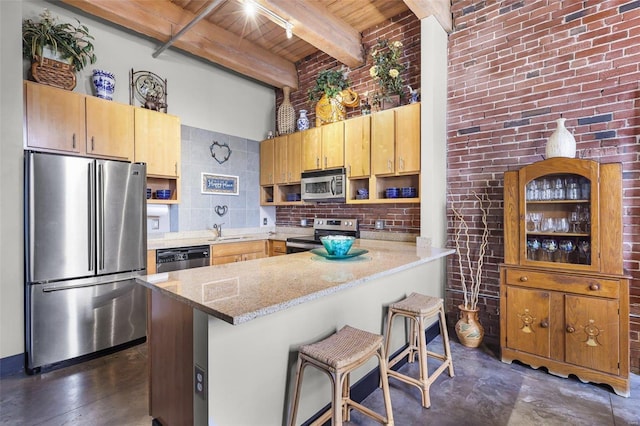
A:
x: 574, y: 219
x: 584, y: 249
x: 549, y: 247
x: 585, y: 220
x: 566, y: 247
x: 536, y: 218
x: 562, y: 225
x: 533, y: 245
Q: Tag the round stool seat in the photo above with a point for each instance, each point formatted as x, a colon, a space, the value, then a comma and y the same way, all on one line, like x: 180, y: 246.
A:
x: 344, y: 347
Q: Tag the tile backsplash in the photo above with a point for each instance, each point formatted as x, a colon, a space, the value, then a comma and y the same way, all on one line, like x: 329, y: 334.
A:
x: 198, y: 211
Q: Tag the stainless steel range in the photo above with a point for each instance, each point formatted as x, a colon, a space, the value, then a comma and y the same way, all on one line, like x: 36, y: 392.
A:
x: 322, y: 227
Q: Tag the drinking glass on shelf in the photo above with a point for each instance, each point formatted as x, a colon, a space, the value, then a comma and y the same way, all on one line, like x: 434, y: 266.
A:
x: 562, y: 225
x: 549, y: 247
x: 533, y: 193
x: 546, y: 193
x: 585, y: 220
x: 533, y: 246
x: 548, y: 224
x: 585, y: 189
x: 536, y: 218
x: 573, y: 190
x: 584, y: 251
x: 558, y: 189
x: 574, y: 219
x: 566, y: 247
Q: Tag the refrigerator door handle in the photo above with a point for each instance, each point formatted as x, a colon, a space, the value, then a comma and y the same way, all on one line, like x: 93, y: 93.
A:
x: 90, y: 222
x: 100, y: 216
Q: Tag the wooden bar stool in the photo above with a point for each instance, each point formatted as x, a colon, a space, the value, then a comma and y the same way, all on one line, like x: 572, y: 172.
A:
x: 419, y: 308
x: 337, y: 356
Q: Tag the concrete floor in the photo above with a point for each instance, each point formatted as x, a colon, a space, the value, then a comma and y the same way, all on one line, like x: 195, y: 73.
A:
x: 112, y: 390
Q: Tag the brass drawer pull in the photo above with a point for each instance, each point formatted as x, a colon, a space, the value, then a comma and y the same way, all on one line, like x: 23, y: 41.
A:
x: 570, y: 329
x: 594, y: 287
x: 524, y: 279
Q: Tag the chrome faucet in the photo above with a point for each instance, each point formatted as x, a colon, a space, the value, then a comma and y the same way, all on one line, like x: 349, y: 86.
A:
x: 217, y: 228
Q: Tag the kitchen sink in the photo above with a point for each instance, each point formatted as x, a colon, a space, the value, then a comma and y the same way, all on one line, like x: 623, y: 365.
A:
x: 231, y: 238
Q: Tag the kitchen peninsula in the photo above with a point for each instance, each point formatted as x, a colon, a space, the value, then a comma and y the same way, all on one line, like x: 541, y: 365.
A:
x: 234, y: 329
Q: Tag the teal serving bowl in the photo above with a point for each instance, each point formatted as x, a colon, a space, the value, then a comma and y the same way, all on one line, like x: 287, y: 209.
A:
x: 337, y: 245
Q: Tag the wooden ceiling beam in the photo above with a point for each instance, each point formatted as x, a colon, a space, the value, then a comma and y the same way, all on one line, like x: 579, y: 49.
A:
x: 314, y: 24
x: 441, y: 9
x: 162, y: 19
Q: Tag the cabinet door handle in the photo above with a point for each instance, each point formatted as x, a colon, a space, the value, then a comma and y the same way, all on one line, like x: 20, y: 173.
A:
x: 73, y: 139
x: 594, y: 287
x: 92, y: 144
x: 175, y: 167
x: 401, y: 163
x: 544, y: 323
x: 524, y: 279
x: 570, y: 329
x: 349, y: 169
x: 325, y: 162
x: 389, y: 165
x: 318, y: 162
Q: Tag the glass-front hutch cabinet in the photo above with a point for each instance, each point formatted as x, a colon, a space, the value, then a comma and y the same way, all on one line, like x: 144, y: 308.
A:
x: 564, y: 301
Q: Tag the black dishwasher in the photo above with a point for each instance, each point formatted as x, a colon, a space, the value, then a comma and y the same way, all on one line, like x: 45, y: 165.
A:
x: 174, y: 259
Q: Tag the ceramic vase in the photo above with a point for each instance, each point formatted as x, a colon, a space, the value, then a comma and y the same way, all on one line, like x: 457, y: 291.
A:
x: 468, y: 328
x: 286, y: 114
x: 561, y: 143
x: 303, y: 121
x: 104, y: 84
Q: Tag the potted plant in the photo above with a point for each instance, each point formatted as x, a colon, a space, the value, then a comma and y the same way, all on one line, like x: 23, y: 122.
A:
x: 468, y: 328
x: 71, y: 43
x: 332, y: 94
x: 386, y: 71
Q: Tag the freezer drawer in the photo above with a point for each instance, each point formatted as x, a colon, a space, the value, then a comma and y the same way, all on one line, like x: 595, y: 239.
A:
x: 65, y: 323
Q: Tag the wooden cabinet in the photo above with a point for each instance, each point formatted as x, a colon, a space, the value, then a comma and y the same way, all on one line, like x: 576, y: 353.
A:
x: 323, y: 147
x: 151, y: 262
x: 288, y: 158
x: 564, y: 297
x: 110, y: 129
x: 54, y: 119
x: 395, y: 141
x: 237, y: 252
x: 267, y: 162
x: 357, y: 146
x: 277, y: 247
x: 64, y: 121
x: 157, y: 142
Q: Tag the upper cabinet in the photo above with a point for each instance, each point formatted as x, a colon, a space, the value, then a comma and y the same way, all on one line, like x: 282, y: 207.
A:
x: 395, y: 141
x: 357, y: 146
x: 288, y: 158
x: 157, y: 137
x: 54, y: 119
x: 267, y: 161
x: 60, y: 120
x: 323, y: 147
x: 110, y: 130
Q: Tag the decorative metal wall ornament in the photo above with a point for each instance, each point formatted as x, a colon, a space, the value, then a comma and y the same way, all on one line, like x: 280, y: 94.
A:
x: 220, y: 152
x: 221, y: 210
x: 149, y: 89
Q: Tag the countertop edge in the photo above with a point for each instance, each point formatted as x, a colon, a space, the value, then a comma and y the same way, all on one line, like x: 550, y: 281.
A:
x: 435, y: 254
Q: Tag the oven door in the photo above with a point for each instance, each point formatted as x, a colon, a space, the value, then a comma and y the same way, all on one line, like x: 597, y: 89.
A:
x: 300, y: 246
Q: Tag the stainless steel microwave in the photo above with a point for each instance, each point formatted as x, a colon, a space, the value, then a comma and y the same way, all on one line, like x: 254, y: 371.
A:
x: 324, y: 185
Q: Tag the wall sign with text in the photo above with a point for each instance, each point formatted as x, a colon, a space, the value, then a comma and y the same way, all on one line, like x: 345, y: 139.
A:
x: 219, y: 184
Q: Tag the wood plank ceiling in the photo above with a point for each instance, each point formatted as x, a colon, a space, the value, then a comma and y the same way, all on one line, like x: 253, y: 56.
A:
x: 258, y: 47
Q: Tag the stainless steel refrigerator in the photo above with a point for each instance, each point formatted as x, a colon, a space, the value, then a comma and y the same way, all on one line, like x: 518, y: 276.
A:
x: 85, y: 242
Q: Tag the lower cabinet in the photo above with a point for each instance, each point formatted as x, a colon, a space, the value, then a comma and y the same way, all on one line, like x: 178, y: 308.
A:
x: 238, y: 252
x: 568, y: 323
x: 277, y: 247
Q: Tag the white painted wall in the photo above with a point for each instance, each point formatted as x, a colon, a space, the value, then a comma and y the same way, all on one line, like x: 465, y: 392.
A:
x: 203, y: 95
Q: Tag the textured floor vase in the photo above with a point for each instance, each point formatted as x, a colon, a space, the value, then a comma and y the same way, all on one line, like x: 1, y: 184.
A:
x: 468, y: 328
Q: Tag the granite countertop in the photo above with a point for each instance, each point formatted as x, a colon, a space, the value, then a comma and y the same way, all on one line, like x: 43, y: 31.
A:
x: 239, y: 292
x: 200, y: 238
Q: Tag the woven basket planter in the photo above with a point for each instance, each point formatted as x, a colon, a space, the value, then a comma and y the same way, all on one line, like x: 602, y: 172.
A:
x: 53, y: 73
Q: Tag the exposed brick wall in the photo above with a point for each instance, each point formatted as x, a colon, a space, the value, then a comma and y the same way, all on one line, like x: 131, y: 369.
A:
x: 514, y: 68
x: 404, y: 27
x: 398, y: 217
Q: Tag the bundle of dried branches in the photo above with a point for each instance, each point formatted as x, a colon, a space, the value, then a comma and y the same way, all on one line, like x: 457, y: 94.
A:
x: 472, y: 290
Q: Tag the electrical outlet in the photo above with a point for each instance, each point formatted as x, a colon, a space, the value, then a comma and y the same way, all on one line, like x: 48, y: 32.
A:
x: 264, y: 220
x: 200, y: 381
x: 379, y: 224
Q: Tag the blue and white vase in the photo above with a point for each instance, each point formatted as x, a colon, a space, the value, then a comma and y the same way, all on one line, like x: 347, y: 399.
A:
x: 303, y: 121
x: 104, y: 84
